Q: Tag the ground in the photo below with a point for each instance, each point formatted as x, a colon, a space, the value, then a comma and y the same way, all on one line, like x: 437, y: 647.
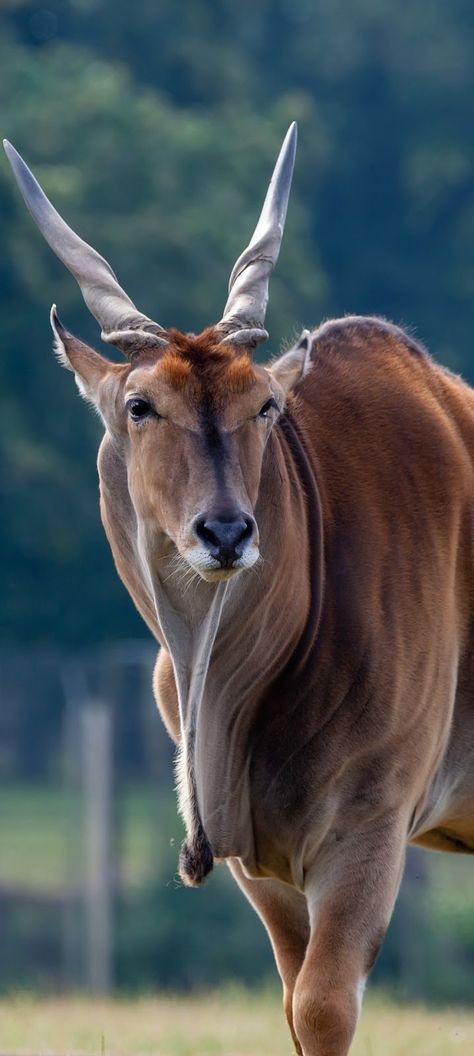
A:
x: 230, y: 1023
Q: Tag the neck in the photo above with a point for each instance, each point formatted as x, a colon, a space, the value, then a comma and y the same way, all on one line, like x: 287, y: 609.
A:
x: 229, y: 641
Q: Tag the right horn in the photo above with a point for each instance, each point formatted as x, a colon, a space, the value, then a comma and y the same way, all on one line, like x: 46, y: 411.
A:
x: 121, y: 324
x: 244, y: 313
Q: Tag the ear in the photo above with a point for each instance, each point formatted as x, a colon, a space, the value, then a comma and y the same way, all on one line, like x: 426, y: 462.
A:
x: 89, y: 368
x: 290, y: 368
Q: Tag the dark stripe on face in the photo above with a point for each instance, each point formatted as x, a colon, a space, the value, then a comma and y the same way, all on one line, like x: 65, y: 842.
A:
x: 216, y: 443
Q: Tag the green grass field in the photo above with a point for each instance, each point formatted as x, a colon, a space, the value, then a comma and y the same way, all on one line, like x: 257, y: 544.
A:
x: 222, y: 1024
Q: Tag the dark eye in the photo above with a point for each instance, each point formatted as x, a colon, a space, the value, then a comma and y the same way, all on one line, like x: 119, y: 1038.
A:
x: 138, y: 408
x: 263, y: 412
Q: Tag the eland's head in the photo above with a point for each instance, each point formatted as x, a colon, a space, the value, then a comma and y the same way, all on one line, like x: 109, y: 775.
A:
x: 191, y: 414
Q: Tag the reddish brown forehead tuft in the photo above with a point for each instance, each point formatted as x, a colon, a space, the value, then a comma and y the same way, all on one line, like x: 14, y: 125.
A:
x: 175, y: 370
x: 193, y: 361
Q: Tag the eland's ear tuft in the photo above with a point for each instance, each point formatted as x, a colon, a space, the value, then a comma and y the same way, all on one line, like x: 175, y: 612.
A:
x: 59, y: 336
x: 88, y: 366
x: 292, y: 366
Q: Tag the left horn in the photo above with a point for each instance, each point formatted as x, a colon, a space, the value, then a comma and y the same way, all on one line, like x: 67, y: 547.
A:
x: 121, y: 323
x: 244, y: 313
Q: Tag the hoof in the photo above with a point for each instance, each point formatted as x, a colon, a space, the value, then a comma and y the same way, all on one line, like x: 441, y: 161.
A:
x: 195, y: 860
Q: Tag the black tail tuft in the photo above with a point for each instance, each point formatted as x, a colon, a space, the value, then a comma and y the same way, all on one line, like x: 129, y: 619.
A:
x: 195, y: 860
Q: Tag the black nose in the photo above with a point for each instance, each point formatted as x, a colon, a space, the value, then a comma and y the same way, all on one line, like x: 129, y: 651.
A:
x: 225, y: 539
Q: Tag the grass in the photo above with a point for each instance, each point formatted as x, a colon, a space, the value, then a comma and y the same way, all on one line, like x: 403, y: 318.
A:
x: 229, y: 1023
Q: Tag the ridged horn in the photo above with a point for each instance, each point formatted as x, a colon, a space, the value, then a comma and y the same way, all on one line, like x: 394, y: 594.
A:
x: 120, y: 322
x: 244, y: 313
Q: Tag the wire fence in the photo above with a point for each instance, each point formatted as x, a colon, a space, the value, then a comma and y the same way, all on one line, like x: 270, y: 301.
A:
x: 80, y: 745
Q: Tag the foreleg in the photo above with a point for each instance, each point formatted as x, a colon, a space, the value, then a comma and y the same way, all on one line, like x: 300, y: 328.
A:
x: 283, y: 911
x: 350, y: 900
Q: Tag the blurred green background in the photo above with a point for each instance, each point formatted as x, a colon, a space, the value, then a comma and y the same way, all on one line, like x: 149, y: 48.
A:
x: 154, y: 128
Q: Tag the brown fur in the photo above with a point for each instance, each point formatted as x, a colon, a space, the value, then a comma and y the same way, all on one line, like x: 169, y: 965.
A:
x: 195, y: 361
x: 326, y: 718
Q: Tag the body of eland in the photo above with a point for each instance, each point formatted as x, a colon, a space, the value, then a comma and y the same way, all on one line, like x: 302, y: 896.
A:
x: 299, y: 539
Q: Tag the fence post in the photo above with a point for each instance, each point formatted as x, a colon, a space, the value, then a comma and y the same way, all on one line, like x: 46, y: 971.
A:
x: 96, y: 757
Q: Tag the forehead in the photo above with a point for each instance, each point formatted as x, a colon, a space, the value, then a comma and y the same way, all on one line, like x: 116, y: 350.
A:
x: 200, y: 377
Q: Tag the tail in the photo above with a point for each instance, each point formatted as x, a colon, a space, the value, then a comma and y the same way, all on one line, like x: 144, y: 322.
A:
x: 196, y: 859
